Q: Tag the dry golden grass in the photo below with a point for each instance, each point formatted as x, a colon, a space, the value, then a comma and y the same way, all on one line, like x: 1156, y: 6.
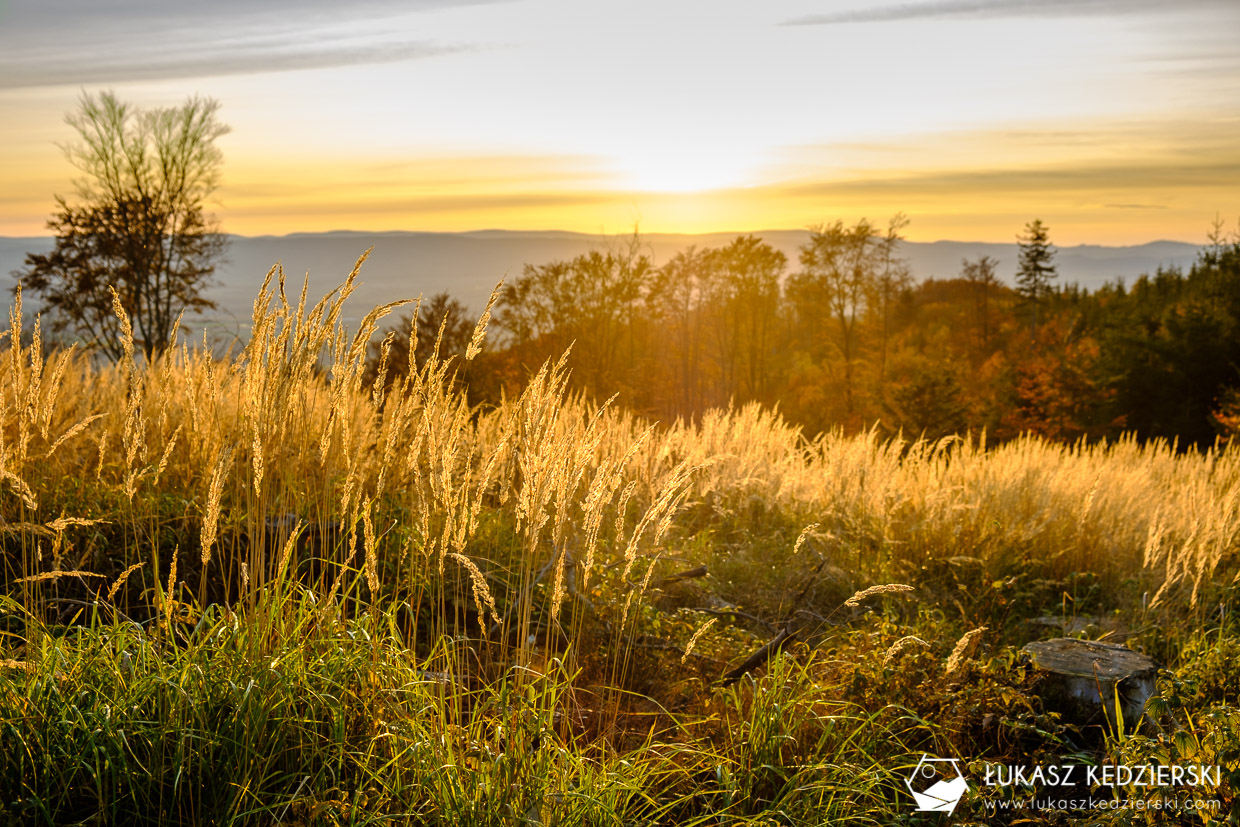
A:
x: 964, y: 649
x: 701, y: 630
x: 1119, y: 509
x: 887, y: 588
x: 903, y: 644
x: 120, y: 581
x: 288, y: 425
x: 55, y: 575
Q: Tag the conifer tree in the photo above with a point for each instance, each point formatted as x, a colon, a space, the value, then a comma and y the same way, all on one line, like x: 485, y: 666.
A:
x: 1037, y: 268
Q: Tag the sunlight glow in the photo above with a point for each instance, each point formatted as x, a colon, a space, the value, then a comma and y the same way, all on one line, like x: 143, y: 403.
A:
x: 680, y: 169
x: 687, y: 117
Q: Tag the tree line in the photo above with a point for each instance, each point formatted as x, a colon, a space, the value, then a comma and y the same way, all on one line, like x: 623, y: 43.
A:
x: 846, y: 337
x: 843, y: 337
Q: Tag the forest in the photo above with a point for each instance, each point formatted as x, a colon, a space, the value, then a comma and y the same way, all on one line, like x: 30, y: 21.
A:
x: 847, y: 337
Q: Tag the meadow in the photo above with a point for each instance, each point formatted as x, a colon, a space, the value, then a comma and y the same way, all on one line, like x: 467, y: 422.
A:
x: 268, y: 587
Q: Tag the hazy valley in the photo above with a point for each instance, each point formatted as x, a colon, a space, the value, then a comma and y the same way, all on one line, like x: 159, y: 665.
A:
x: 468, y: 265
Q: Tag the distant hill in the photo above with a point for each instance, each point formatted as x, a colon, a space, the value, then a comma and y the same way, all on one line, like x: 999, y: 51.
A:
x: 468, y: 265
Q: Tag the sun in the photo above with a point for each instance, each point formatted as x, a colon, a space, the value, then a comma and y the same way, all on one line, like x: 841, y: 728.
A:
x: 678, y: 169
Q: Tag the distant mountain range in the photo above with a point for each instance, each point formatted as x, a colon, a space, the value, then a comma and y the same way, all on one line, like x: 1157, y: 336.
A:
x: 468, y: 265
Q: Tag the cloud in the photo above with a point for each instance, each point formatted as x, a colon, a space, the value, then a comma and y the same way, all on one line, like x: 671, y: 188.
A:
x: 152, y: 16
x: 467, y: 176
x: 953, y: 9
x: 74, y: 42
x: 491, y: 172
x: 78, y: 68
x: 1083, y: 179
x: 433, y: 205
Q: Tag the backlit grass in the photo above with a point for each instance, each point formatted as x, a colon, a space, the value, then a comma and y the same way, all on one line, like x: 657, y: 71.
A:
x: 265, y: 588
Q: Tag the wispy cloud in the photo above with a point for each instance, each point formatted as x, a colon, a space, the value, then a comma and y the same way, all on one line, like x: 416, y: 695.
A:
x: 949, y: 9
x: 164, y: 63
x: 423, y: 205
x: 1086, y: 179
x: 73, y: 42
x: 151, y: 16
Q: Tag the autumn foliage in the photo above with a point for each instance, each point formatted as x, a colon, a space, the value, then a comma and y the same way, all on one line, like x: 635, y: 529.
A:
x: 848, y: 338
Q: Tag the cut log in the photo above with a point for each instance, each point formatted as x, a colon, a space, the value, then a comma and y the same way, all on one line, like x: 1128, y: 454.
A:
x: 1084, y: 680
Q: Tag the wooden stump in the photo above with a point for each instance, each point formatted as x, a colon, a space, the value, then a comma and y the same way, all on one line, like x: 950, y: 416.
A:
x: 1084, y: 679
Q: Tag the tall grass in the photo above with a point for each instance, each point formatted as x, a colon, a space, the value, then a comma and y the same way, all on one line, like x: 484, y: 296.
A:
x: 1121, y: 510
x: 457, y: 593
x: 228, y: 455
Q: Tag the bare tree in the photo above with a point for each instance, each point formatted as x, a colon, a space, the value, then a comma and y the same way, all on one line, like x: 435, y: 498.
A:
x: 139, y: 226
x: 678, y: 299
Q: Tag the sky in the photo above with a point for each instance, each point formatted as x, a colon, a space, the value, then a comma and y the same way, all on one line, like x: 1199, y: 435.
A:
x: 1113, y: 121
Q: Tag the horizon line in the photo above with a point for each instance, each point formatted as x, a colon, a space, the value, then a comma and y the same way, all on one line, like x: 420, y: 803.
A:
x: 606, y: 235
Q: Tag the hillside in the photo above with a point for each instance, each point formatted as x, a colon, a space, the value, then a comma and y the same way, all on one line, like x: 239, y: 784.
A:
x: 469, y: 264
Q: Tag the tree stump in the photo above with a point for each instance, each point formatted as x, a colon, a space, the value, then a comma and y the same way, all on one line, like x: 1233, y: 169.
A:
x: 1084, y: 679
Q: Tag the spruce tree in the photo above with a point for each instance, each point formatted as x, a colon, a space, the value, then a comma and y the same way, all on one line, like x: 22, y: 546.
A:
x: 1033, y: 278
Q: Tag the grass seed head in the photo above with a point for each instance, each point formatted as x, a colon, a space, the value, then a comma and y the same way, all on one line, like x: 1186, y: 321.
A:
x: 55, y: 575
x: 965, y: 648
x: 701, y: 630
x: 805, y: 532
x: 887, y: 588
x: 901, y: 645
x: 120, y: 581
x: 481, y: 592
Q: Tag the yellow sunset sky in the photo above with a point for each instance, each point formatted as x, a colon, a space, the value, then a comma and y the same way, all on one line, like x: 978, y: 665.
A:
x: 1114, y: 121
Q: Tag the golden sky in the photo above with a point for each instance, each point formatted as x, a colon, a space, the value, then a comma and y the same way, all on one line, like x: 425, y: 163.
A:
x: 1115, y: 121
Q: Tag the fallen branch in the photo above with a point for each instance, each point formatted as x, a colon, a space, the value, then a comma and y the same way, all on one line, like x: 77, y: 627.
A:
x: 691, y: 574
x: 758, y: 658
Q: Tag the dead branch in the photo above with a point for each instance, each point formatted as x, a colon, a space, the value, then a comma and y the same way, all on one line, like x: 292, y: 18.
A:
x: 690, y: 574
x: 758, y: 658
